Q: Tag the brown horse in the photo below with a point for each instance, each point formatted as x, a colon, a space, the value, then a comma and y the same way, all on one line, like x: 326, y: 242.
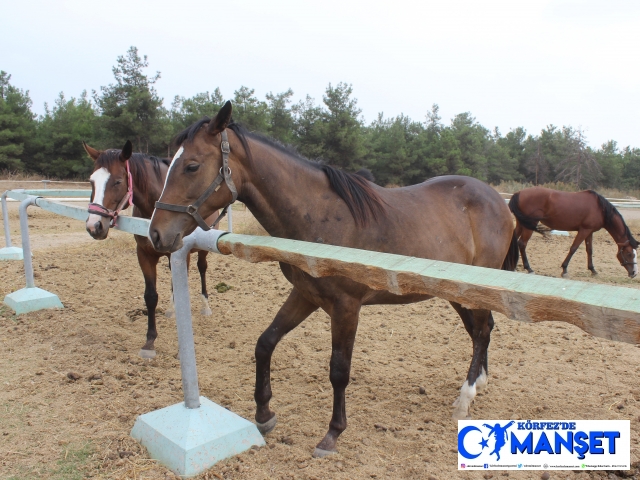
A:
x: 452, y: 218
x: 113, y: 171
x: 583, y: 212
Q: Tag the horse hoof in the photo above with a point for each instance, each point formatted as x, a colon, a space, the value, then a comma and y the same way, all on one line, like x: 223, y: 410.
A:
x: 147, y: 353
x: 320, y: 453
x: 206, y: 312
x: 267, y: 426
x: 594, y: 273
x: 565, y: 275
x: 458, y: 415
x: 531, y: 272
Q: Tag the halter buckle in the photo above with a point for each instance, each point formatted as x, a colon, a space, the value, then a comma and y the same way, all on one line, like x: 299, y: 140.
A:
x: 191, y: 210
x: 224, y: 146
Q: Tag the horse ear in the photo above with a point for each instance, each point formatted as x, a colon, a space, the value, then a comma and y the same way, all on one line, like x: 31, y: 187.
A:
x: 92, y: 152
x: 127, y: 150
x: 221, y: 120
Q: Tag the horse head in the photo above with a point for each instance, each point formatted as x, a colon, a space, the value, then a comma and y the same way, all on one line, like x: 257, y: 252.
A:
x: 628, y: 257
x: 200, y: 181
x: 111, y: 189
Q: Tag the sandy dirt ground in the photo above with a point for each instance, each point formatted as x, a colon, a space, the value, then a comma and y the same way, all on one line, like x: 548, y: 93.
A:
x: 54, y: 426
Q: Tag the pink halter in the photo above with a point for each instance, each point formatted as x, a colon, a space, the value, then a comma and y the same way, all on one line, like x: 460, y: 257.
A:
x: 127, y: 200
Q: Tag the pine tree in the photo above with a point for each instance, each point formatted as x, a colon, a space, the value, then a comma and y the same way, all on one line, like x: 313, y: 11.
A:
x: 17, y: 124
x: 131, y: 108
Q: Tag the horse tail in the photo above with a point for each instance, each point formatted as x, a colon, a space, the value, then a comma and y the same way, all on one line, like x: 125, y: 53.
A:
x: 531, y: 223
x: 513, y: 254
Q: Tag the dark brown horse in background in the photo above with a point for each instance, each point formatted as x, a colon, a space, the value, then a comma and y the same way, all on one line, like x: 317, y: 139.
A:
x: 109, y: 182
x: 451, y: 218
x: 583, y: 212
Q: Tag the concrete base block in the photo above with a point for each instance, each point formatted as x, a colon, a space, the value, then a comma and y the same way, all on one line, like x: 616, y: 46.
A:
x: 11, y: 253
x: 31, y: 299
x: 189, y: 441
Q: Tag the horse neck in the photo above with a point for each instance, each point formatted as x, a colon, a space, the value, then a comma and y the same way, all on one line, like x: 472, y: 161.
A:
x: 288, y: 197
x: 616, y: 229
x: 145, y: 200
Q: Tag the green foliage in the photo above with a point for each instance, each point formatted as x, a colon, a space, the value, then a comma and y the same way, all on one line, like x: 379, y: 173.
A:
x: 398, y: 150
x: 281, y: 120
x: 185, y: 111
x: 58, y: 149
x: 341, y: 128
x: 17, y: 125
x: 131, y: 108
x: 250, y: 111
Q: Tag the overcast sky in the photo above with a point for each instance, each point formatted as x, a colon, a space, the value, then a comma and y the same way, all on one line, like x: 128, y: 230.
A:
x: 508, y: 62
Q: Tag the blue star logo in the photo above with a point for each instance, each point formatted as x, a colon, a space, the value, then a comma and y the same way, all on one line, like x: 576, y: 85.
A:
x: 484, y: 443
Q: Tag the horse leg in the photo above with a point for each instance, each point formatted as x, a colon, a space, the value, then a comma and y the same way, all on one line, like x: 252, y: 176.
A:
x: 148, y: 263
x: 467, y: 319
x: 344, y: 324
x: 171, y: 311
x: 295, y: 309
x: 582, y: 234
x: 523, y: 240
x: 482, y: 326
x: 588, y: 242
x: 202, y: 268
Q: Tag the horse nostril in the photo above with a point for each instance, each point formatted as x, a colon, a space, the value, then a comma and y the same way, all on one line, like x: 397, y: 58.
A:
x: 155, y: 237
x: 97, y: 226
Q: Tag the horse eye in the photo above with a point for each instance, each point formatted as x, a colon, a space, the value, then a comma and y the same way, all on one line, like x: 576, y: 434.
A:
x: 193, y: 167
x: 118, y: 182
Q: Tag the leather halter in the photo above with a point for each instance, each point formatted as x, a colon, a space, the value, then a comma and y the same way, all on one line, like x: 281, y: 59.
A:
x: 621, y: 252
x: 97, y: 209
x: 224, y: 175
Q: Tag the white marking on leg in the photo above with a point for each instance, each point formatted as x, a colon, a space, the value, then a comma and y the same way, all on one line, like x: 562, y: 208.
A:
x: 463, y: 402
x: 99, y: 178
x: 170, y: 311
x: 206, y: 309
x: 482, y: 380
x: 173, y: 162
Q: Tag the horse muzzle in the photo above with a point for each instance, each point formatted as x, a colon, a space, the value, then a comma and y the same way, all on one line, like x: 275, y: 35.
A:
x: 165, y: 244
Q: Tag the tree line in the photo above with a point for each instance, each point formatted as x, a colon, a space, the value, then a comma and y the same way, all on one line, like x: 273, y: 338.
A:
x: 398, y: 150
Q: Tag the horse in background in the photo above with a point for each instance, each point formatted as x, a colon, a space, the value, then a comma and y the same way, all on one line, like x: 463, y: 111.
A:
x: 583, y: 212
x: 121, y: 178
x: 450, y: 218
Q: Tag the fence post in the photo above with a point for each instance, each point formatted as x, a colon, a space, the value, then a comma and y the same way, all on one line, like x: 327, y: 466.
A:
x: 180, y: 280
x: 31, y: 298
x: 192, y: 436
x: 9, y: 252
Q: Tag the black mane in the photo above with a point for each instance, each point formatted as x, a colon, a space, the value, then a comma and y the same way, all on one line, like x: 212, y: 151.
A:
x: 354, y: 189
x: 610, y: 212
x: 136, y: 164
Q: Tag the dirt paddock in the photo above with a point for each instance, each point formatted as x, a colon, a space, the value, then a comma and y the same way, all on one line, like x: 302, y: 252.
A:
x: 54, y: 426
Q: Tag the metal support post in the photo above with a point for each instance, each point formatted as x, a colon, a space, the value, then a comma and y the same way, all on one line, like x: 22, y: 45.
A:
x: 191, y: 437
x: 26, y: 244
x: 31, y: 298
x: 9, y: 252
x: 180, y: 279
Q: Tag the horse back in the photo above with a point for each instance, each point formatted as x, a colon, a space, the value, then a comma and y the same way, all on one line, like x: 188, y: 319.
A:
x: 560, y: 210
x: 452, y: 218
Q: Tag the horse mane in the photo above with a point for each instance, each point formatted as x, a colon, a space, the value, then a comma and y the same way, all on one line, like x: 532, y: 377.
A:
x: 137, y: 164
x: 354, y: 189
x: 610, y: 212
